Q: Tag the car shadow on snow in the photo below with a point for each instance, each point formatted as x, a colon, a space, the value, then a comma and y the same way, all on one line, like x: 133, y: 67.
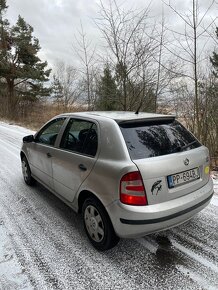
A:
x: 59, y: 208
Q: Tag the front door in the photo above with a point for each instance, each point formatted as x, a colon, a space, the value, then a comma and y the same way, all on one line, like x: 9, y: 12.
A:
x: 41, y: 151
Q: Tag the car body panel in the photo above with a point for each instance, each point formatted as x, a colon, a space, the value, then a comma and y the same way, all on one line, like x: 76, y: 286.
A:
x: 40, y: 163
x: 67, y: 175
x: 158, y: 168
x: 104, y: 182
x: 118, y: 211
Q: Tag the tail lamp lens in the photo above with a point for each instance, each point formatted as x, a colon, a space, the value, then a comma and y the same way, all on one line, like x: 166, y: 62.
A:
x: 132, y: 189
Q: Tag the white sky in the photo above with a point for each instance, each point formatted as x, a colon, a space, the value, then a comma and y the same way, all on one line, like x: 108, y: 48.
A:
x: 56, y: 22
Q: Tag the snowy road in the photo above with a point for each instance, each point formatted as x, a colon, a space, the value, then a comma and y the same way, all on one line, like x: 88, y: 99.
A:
x: 43, y: 244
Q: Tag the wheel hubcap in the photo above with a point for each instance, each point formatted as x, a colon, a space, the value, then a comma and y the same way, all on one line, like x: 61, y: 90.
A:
x: 24, y: 170
x: 94, y: 223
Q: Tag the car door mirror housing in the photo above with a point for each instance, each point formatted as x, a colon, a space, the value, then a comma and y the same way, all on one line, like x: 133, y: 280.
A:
x: 28, y: 139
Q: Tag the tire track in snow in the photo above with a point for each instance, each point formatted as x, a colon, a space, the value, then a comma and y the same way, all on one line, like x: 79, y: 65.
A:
x: 151, y: 245
x: 195, y: 256
x: 211, y: 251
x: 197, y: 278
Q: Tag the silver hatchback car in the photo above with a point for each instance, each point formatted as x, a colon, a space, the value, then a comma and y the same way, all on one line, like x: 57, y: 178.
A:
x: 128, y: 174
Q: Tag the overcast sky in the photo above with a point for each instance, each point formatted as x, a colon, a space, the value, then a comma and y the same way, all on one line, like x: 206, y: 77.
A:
x: 56, y: 22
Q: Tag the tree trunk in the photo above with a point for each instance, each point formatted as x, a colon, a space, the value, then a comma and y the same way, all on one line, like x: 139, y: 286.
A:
x: 125, y: 94
x: 11, y: 102
x: 195, y: 72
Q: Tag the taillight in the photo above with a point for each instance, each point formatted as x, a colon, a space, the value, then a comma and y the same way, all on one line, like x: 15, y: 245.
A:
x: 132, y: 189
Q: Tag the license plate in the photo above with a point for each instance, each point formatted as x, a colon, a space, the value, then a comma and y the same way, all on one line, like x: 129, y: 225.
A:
x: 183, y: 177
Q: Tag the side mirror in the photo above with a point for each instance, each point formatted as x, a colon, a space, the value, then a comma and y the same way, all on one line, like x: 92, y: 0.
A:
x: 28, y: 139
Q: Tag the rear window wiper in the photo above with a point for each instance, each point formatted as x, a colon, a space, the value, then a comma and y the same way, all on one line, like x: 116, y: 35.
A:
x: 182, y: 148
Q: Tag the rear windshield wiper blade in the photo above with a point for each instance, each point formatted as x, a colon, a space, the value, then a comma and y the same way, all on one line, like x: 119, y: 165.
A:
x: 180, y: 149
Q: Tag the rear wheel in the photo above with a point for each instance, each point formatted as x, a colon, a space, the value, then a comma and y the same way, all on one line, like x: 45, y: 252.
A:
x: 27, y: 172
x: 97, y: 225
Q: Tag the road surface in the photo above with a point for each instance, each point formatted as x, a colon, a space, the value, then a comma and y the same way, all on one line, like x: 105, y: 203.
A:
x: 43, y: 244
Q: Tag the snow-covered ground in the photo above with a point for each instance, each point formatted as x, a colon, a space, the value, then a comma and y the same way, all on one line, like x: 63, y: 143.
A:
x: 43, y: 244
x: 214, y: 176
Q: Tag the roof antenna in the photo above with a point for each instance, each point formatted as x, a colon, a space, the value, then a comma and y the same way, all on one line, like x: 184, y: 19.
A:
x: 139, y: 107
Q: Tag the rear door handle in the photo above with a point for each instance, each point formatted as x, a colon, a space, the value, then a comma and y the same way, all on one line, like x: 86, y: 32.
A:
x: 49, y: 155
x: 82, y: 167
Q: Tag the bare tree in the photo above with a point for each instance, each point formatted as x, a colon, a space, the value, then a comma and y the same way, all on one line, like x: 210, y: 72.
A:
x: 159, y: 60
x: 87, y: 56
x: 186, y: 46
x: 66, y: 91
x: 131, y: 50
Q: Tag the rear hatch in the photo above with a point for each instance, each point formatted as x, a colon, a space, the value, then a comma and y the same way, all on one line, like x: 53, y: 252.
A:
x: 172, y: 162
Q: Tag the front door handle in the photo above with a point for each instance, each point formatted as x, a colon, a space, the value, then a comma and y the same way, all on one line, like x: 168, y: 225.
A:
x: 82, y: 167
x: 49, y: 155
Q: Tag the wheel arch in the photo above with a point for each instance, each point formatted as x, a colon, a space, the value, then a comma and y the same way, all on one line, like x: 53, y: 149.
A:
x: 83, y: 195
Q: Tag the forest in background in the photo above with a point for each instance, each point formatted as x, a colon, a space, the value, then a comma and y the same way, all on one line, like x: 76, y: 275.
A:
x: 145, y: 64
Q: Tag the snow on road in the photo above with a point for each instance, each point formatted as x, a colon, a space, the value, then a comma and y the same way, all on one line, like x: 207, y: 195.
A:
x: 43, y: 244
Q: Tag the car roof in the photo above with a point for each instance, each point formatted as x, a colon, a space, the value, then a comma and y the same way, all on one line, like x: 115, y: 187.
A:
x: 119, y: 116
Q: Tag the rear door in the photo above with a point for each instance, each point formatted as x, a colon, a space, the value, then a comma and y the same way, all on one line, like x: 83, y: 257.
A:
x: 75, y: 158
x: 171, y: 160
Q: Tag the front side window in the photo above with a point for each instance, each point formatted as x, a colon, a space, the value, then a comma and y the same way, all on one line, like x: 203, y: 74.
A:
x: 49, y: 133
x: 150, y: 139
x: 80, y: 136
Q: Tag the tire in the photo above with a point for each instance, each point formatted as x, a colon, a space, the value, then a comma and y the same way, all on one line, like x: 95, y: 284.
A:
x: 97, y: 225
x: 29, y: 180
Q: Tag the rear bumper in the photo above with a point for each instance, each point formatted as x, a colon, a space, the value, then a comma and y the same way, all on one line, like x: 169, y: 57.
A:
x: 136, y: 221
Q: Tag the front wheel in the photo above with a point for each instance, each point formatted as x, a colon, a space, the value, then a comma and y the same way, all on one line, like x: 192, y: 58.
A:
x: 27, y: 172
x: 97, y: 225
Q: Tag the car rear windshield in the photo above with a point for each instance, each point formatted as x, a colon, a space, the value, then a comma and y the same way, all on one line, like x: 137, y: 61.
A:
x: 156, y: 138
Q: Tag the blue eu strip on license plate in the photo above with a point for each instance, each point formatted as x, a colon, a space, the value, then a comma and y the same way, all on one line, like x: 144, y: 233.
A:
x: 170, y: 181
x: 183, y: 177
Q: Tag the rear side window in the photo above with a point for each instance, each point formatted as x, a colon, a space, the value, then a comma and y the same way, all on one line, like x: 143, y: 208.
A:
x: 81, y: 137
x: 150, y: 139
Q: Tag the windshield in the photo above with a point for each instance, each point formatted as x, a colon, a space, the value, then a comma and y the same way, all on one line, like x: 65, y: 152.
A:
x: 150, y: 139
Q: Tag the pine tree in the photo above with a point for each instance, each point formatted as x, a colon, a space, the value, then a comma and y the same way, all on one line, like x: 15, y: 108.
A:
x: 57, y: 90
x: 107, y: 92
x: 21, y: 70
